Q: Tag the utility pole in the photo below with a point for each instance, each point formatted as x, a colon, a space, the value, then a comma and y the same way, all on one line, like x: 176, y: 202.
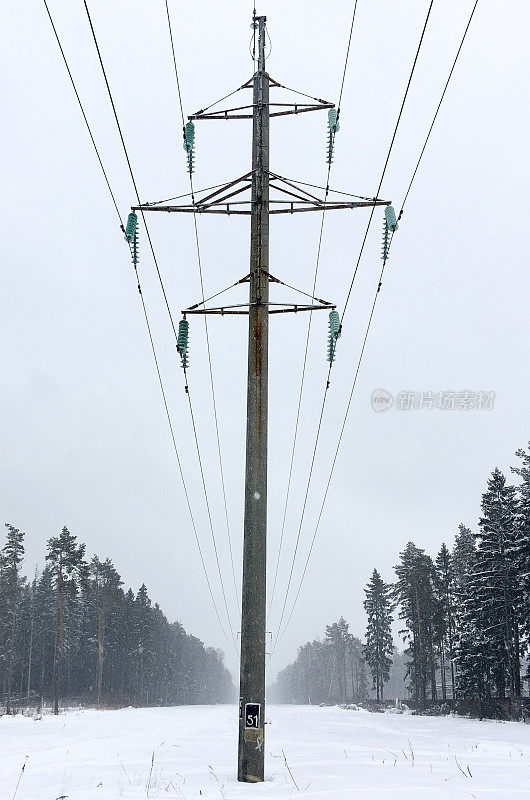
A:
x: 253, y: 601
x: 270, y: 193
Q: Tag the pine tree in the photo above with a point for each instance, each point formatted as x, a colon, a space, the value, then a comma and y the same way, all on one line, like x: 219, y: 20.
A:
x: 11, y: 557
x: 46, y: 613
x: 30, y: 615
x: 106, y: 589
x: 379, y: 646
x: 73, y: 633
x: 66, y: 559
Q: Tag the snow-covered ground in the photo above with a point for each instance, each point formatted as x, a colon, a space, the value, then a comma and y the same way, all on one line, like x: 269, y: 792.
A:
x: 190, y: 752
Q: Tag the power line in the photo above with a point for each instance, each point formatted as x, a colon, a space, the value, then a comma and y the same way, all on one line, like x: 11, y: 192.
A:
x: 218, y: 439
x: 189, y: 194
x: 178, y: 460
x: 83, y: 113
x: 346, y: 59
x: 437, y: 109
x: 302, y: 381
x: 175, y: 64
x: 280, y: 635
x: 208, y: 508
x: 148, y: 326
x: 295, y: 435
x: 212, y: 385
x: 130, y: 168
x: 163, y: 291
x: 388, y: 157
x: 350, y: 289
x: 293, y: 560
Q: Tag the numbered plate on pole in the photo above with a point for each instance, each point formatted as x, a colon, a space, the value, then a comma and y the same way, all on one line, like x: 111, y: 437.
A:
x: 252, y: 715
x: 240, y: 708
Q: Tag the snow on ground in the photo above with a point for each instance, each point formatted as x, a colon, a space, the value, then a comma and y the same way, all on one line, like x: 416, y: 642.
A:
x: 190, y: 752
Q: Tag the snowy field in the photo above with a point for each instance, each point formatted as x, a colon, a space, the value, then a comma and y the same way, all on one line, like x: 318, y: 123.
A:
x: 190, y: 752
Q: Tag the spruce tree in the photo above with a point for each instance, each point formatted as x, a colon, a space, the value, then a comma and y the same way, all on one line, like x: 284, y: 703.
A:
x: 498, y: 584
x: 339, y: 639
x: 415, y: 594
x: 523, y: 491
x: 445, y: 629
x: 463, y: 557
x: 379, y: 646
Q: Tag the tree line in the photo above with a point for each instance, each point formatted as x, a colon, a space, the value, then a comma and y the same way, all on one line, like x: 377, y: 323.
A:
x: 73, y: 633
x: 334, y: 669
x: 465, y: 615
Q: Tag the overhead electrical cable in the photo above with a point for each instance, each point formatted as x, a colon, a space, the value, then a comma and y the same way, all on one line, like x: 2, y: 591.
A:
x: 369, y: 325
x: 208, y: 509
x: 130, y: 168
x: 162, y: 287
x: 218, y: 438
x: 293, y: 182
x: 149, y: 331
x: 347, y: 57
x: 282, y: 632
x: 189, y: 194
x: 302, y: 380
x: 437, y: 110
x: 279, y: 632
x: 83, y: 113
x: 388, y: 157
x: 212, y: 385
x: 175, y: 64
x: 297, y: 422
x: 194, y: 526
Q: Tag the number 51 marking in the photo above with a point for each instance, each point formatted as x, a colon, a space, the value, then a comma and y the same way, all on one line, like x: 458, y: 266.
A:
x: 252, y: 715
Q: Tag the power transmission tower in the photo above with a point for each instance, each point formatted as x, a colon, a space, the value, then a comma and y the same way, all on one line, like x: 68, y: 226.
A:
x: 290, y: 197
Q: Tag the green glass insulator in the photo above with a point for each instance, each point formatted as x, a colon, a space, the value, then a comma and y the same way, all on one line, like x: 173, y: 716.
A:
x: 182, y: 342
x: 334, y: 324
x: 385, y: 245
x: 334, y: 334
x: 131, y: 227
x: 189, y: 133
x: 333, y: 120
x: 390, y: 217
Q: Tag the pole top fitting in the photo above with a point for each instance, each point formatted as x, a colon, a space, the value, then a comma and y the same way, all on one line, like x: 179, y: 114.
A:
x: 261, y: 42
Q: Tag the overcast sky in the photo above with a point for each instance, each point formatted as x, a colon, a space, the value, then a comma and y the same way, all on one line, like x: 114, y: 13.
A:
x: 84, y: 437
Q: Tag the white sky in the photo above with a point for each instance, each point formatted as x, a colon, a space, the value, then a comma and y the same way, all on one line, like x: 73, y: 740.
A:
x: 84, y: 437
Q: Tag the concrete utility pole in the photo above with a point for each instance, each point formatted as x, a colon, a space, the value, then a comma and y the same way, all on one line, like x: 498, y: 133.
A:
x: 253, y: 604
x: 288, y: 196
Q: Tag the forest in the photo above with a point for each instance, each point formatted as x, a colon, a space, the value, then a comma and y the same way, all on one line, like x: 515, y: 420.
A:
x: 72, y: 634
x: 464, y: 614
